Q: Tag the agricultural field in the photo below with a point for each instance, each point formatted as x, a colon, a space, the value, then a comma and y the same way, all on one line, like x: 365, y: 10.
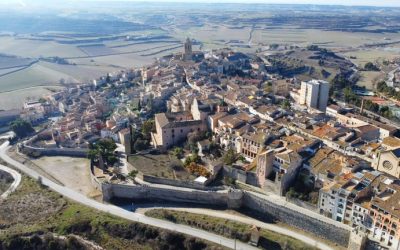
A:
x: 33, y: 76
x: 369, y: 79
x: 93, y: 44
x: 36, y: 48
x: 361, y: 56
x: 14, y: 99
x: 304, y: 37
x: 96, y: 50
x: 7, y: 62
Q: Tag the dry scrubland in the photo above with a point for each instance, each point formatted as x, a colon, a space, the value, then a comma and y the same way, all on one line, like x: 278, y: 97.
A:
x: 35, y: 210
x: 163, y: 166
x: 363, y: 56
x: 230, y: 229
x: 369, y: 79
x: 5, y: 181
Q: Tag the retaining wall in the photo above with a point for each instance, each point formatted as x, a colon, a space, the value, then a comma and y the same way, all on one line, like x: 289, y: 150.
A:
x: 71, y: 152
x: 179, y: 183
x: 297, y: 219
x: 214, y: 198
x: 303, y: 204
x: 234, y: 200
x: 95, y: 182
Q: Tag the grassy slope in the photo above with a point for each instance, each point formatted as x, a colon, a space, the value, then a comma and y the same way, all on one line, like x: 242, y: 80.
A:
x: 35, y: 209
x: 227, y: 228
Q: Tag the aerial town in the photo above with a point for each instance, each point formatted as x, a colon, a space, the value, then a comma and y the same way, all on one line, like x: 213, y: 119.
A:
x: 220, y: 121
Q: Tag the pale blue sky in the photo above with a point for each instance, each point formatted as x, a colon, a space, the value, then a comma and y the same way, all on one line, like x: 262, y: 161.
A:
x: 326, y: 2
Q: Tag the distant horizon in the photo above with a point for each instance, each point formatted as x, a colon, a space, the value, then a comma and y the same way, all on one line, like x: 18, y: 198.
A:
x: 370, y: 3
x: 359, y: 3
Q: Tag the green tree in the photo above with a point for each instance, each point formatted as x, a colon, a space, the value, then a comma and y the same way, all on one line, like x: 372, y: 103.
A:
x: 104, y: 149
x: 148, y: 127
x: 133, y: 174
x: 140, y: 145
x: 285, y: 104
x: 371, y: 67
x: 178, y: 152
x: 230, y: 157
x: 21, y: 128
x: 195, y: 158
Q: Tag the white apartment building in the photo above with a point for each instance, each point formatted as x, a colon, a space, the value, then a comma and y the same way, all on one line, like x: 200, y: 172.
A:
x: 314, y: 94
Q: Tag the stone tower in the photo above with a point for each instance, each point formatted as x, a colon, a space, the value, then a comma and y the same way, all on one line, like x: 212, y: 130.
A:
x: 188, y: 50
x: 357, y: 240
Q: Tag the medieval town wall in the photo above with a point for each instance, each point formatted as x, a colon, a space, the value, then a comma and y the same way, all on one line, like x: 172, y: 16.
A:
x: 235, y: 200
x: 179, y: 183
x: 69, y: 152
x: 300, y: 220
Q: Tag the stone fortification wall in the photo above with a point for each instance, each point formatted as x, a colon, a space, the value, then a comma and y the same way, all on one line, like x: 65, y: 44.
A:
x: 27, y: 148
x: 299, y: 218
x: 38, y: 152
x: 179, y: 183
x: 303, y: 204
x: 214, y: 198
x: 306, y: 221
x: 240, y: 175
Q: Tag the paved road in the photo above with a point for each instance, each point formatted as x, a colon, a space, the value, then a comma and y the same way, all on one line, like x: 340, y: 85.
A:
x: 78, y: 197
x: 247, y: 220
x: 17, y: 180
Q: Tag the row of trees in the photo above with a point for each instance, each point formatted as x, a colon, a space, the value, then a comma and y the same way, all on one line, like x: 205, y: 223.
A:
x: 352, y: 98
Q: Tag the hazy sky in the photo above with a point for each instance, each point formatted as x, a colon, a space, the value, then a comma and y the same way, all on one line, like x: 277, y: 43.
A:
x: 327, y: 2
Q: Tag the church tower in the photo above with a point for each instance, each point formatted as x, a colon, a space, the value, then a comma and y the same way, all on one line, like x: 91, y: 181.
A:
x: 188, y: 50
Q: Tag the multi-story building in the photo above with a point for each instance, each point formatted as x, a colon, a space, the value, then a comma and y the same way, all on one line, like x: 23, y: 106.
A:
x: 344, y: 200
x: 188, y: 50
x: 314, y: 94
x: 250, y: 144
x: 173, y: 128
x: 277, y: 169
x: 385, y: 213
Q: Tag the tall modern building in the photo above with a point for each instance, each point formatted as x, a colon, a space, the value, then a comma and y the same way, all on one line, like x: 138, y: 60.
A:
x: 314, y: 94
x: 188, y: 50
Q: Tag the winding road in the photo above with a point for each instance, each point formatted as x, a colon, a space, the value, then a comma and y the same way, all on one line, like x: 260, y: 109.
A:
x: 246, y: 220
x: 17, y: 180
x: 14, y: 174
x: 117, y: 211
x: 139, y: 217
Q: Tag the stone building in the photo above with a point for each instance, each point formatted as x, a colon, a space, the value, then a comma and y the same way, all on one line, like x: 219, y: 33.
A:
x: 250, y: 144
x: 385, y: 211
x: 277, y: 169
x: 173, y: 128
x: 389, y: 162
